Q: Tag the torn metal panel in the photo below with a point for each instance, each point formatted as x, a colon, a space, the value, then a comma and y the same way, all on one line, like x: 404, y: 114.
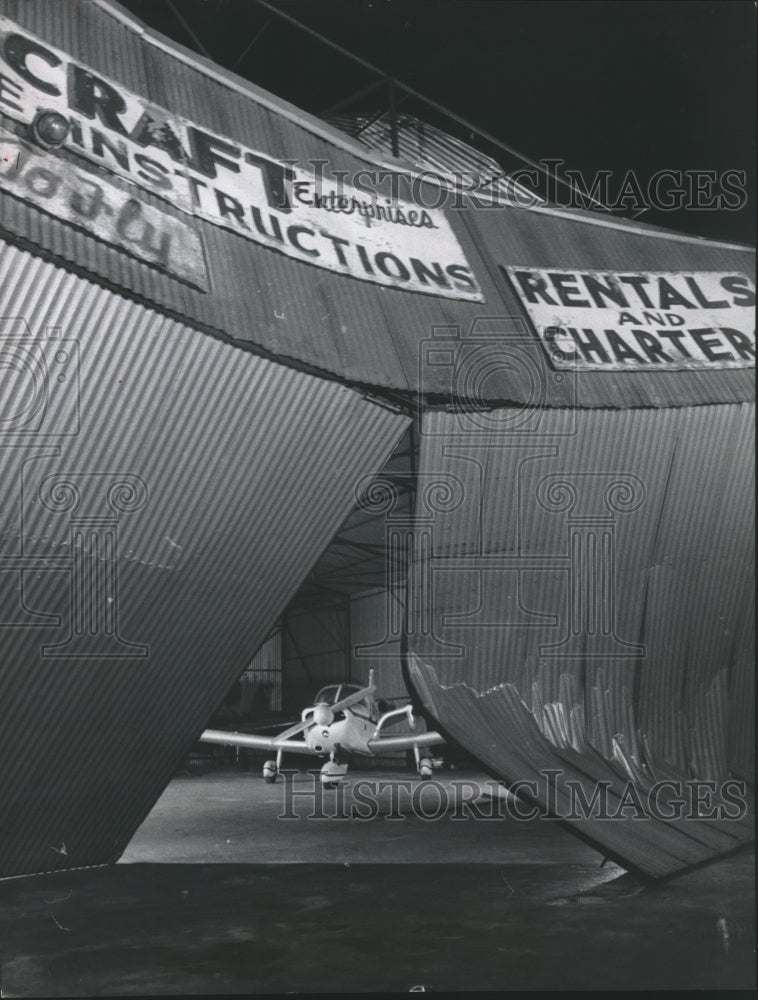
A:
x: 164, y: 496
x: 603, y: 571
x: 500, y: 731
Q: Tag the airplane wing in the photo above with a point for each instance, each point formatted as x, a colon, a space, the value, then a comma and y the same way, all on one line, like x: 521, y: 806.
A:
x: 253, y: 742
x: 392, y: 744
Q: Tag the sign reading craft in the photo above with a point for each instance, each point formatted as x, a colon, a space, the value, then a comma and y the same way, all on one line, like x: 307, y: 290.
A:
x: 630, y: 321
x: 277, y: 203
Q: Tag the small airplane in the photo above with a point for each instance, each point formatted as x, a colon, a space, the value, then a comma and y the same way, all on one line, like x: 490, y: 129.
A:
x: 344, y: 719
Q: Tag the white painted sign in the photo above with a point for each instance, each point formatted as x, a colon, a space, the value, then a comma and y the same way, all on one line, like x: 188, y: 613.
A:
x: 640, y: 320
x: 108, y: 212
x: 301, y: 212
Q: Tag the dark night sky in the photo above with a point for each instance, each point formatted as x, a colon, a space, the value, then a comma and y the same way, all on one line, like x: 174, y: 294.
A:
x: 623, y: 85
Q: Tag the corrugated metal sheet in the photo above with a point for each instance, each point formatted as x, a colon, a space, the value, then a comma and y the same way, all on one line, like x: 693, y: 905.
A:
x: 499, y: 729
x: 332, y: 323
x: 603, y: 570
x: 161, y: 506
x: 577, y: 240
x: 212, y: 530
x: 375, y: 626
x: 261, y: 682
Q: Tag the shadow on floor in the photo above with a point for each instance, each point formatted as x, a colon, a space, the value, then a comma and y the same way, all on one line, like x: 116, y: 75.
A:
x: 143, y: 929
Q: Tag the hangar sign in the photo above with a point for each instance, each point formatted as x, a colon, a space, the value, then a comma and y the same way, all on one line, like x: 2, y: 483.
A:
x: 110, y: 213
x: 630, y: 321
x: 301, y: 212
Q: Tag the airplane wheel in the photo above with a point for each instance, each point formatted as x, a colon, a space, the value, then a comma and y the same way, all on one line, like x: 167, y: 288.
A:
x: 269, y: 772
x: 425, y: 769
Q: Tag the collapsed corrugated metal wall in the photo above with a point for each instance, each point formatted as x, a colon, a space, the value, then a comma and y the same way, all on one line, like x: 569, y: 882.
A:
x: 163, y: 496
x: 584, y: 604
x: 585, y: 539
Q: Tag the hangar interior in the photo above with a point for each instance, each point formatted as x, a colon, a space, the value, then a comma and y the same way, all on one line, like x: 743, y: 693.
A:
x: 348, y: 612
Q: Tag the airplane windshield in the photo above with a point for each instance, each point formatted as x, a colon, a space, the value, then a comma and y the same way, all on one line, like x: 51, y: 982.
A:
x: 334, y: 693
x: 327, y: 695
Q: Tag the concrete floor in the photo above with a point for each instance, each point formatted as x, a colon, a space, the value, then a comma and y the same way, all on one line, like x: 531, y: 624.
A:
x: 216, y: 894
x: 227, y: 816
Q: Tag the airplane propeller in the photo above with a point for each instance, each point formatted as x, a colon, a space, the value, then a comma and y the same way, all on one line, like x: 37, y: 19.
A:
x: 297, y: 728
x: 351, y: 699
x: 323, y: 714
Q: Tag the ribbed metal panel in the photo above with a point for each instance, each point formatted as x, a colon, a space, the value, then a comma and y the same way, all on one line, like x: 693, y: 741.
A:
x: 549, y: 238
x: 334, y: 323
x: 260, y: 687
x: 375, y: 645
x: 498, y: 728
x: 166, y: 503
x: 269, y: 655
x: 658, y: 505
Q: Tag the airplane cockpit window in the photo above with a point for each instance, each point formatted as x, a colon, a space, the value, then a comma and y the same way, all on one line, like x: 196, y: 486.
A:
x: 327, y: 695
x: 334, y: 693
x: 348, y: 689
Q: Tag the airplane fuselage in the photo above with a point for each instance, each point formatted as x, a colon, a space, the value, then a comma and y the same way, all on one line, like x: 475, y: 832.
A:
x: 350, y: 734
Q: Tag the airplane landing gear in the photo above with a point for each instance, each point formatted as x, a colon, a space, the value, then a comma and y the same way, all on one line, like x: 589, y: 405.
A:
x: 425, y: 769
x: 270, y: 772
x: 423, y: 765
x: 334, y: 769
x: 271, y: 769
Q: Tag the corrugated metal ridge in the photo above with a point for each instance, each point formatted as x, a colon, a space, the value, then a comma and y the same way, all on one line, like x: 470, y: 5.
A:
x: 642, y: 229
x: 250, y: 467
x: 683, y: 570
x: 436, y: 405
x: 658, y: 848
x: 394, y: 398
x: 342, y: 140
x: 360, y: 333
x: 390, y: 398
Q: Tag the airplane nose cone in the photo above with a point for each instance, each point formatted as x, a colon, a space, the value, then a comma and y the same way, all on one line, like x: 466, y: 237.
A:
x: 322, y: 715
